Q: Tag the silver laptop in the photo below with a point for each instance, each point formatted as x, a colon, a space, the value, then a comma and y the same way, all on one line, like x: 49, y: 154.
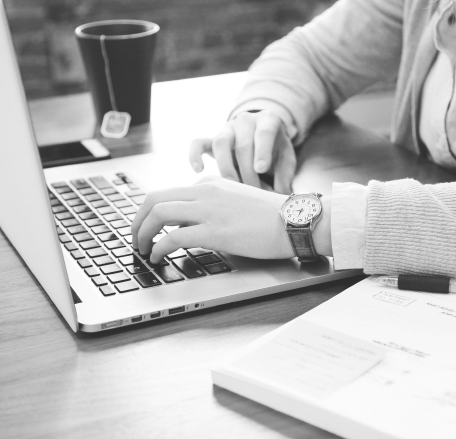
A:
x: 71, y: 225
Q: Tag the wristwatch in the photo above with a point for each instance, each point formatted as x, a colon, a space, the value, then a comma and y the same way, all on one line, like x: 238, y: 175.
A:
x: 300, y: 214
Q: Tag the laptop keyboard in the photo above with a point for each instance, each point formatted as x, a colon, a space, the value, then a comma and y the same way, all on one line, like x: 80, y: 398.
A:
x: 93, y: 218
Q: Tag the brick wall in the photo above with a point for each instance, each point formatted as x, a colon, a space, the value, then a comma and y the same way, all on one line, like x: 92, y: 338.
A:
x: 197, y: 37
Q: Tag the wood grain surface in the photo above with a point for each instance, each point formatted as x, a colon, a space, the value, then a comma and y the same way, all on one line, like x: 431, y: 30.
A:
x: 153, y: 380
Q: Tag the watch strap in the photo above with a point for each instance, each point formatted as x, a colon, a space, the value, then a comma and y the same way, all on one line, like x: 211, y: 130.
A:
x: 302, y: 243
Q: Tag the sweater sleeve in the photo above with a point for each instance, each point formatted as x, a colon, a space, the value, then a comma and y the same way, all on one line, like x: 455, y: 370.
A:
x: 411, y: 228
x: 315, y: 68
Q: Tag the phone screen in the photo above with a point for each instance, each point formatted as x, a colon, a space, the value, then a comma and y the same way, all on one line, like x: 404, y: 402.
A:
x: 72, y: 152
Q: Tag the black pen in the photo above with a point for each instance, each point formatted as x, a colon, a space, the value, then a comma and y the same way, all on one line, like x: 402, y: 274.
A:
x: 428, y: 284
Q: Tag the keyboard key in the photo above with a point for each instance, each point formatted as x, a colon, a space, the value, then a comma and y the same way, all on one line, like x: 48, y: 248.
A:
x: 114, y: 244
x: 97, y: 252
x: 132, y: 186
x: 112, y: 217
x: 60, y: 231
x: 107, y: 291
x: 117, y: 278
x: 51, y: 195
x: 106, y: 210
x: 59, y: 209
x: 94, y: 222
x: 59, y: 184
x: 100, y: 182
x: 64, y: 216
x: 131, y: 216
x: 92, y: 272
x: 69, y: 196
x: 104, y: 260
x: 118, y: 181
x: 99, y: 204
x: 122, y: 203
x: 75, y: 202
x: 157, y: 238
x: 128, y: 238
x: 139, y: 199
x: 119, y: 223
x: 137, y: 268
x: 100, y: 229
x: 80, y: 183
x: 70, y: 223
x: 208, y: 259
x: 110, y: 236
x: 134, y: 193
x: 76, y: 229
x: 125, y: 287
x: 221, y: 267
x: 93, y: 197
x: 116, y: 197
x: 55, y: 202
x: 89, y: 244
x: 63, y: 189
x: 199, y: 251
x: 168, y: 274
x: 127, y: 210
x: 111, y: 269
x: 84, y: 263
x: 87, y: 191
x: 125, y: 231
x: 81, y: 237
x: 77, y: 254
x: 190, y: 268
x: 125, y: 251
x: 64, y: 239
x: 87, y: 216
x: 130, y: 260
x: 109, y: 191
x: 99, y: 281
x: 147, y: 280
x: 82, y: 209
x: 177, y: 254
x: 71, y: 246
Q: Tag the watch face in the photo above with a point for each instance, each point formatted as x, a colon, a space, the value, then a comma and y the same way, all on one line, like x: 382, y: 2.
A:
x: 301, y: 209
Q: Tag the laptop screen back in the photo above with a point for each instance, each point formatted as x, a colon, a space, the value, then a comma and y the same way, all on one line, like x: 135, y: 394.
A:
x: 25, y: 213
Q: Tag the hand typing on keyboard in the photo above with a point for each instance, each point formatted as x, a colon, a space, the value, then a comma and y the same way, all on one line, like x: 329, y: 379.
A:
x: 218, y: 214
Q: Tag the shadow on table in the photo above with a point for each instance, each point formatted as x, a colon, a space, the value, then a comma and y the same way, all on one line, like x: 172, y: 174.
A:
x: 271, y: 419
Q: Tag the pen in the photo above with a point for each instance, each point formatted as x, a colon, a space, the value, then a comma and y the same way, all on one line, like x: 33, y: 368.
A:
x: 429, y: 284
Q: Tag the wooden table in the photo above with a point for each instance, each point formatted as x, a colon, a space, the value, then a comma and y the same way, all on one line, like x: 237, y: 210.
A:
x: 153, y: 380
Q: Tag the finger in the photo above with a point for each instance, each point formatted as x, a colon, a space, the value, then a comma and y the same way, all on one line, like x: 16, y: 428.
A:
x: 244, y: 130
x: 285, y: 167
x: 155, y: 197
x: 189, y: 237
x: 267, y: 129
x: 197, y: 149
x: 166, y: 214
x: 222, y: 148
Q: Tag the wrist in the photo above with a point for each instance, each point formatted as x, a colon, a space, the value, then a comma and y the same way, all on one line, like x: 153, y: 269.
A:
x: 321, y: 234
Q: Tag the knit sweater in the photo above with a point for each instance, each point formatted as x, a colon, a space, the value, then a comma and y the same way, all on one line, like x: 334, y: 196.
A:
x: 410, y: 227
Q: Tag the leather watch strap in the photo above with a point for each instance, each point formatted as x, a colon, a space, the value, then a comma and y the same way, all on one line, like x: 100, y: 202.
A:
x: 302, y: 243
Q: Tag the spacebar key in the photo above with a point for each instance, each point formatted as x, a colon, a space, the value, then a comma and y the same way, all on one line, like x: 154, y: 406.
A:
x: 100, y: 182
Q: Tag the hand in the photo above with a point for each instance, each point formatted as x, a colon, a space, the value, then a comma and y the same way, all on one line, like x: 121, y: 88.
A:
x: 220, y: 215
x: 251, y: 144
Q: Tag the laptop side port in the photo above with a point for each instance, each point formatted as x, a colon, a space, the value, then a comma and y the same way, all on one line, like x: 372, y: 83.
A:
x: 155, y: 315
x: 177, y: 310
x: 136, y: 319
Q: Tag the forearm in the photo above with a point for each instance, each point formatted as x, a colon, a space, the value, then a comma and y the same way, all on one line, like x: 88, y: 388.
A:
x: 318, y: 66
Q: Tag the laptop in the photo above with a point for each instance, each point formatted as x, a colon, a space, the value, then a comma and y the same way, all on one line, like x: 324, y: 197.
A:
x: 71, y: 225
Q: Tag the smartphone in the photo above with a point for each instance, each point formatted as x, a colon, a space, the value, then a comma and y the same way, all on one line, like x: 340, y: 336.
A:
x: 88, y: 150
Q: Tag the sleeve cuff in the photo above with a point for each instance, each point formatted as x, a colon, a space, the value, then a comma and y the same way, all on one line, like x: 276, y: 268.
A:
x: 348, y: 225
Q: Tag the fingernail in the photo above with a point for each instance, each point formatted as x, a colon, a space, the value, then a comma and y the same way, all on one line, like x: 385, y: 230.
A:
x: 260, y: 166
x: 197, y: 167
